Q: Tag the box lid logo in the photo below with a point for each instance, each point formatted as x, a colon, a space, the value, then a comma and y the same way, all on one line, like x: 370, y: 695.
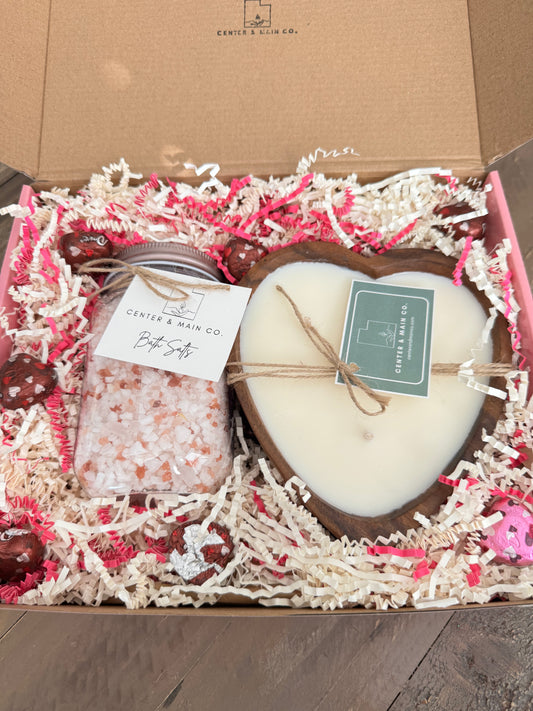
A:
x: 256, y: 14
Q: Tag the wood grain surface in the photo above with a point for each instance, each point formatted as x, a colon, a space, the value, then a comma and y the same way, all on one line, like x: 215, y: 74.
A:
x: 473, y: 660
x: 480, y: 661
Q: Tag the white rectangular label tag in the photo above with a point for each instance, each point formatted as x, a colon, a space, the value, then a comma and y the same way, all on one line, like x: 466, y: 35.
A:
x: 192, y: 336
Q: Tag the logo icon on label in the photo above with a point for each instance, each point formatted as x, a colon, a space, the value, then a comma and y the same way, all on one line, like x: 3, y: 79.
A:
x: 188, y: 308
x: 256, y: 14
x: 378, y: 333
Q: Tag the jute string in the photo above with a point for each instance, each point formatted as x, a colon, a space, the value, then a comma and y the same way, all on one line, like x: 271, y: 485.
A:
x: 155, y: 280
x: 347, y: 371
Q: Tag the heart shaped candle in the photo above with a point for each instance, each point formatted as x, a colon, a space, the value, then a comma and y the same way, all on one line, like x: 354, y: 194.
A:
x: 367, y: 475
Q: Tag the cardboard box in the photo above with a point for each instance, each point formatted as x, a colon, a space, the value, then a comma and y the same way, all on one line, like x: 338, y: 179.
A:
x: 256, y: 85
x: 414, y: 84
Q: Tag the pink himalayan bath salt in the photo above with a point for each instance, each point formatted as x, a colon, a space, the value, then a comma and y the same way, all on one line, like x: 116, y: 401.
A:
x: 143, y: 429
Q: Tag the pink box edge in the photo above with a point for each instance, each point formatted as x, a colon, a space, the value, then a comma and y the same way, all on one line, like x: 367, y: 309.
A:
x: 500, y: 227
x: 6, y: 275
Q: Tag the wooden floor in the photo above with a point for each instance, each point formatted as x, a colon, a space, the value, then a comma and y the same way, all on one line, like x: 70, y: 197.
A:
x: 472, y: 660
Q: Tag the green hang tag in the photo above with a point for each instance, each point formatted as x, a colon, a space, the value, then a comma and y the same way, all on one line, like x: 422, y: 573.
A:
x: 387, y: 333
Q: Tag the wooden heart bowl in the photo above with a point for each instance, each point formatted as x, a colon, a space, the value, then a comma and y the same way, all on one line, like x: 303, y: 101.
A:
x: 338, y: 522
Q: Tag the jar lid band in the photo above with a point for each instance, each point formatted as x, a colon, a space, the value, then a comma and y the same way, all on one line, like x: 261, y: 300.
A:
x: 172, y: 254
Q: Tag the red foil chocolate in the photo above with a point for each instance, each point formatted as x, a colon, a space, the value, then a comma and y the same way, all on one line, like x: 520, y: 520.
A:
x: 273, y: 215
x: 240, y: 255
x: 474, y: 227
x: 21, y: 552
x: 25, y: 381
x: 196, y: 557
x: 76, y: 248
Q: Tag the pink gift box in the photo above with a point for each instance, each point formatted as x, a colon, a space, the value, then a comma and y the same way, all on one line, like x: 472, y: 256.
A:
x: 499, y: 226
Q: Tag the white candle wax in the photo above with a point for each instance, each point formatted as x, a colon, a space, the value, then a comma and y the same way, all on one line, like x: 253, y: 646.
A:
x: 363, y: 465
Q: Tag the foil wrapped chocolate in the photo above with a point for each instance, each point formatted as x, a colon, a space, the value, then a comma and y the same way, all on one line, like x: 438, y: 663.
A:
x: 76, y: 248
x: 474, y: 227
x: 21, y: 552
x: 240, y: 255
x: 512, y: 537
x: 197, y: 555
x: 25, y: 381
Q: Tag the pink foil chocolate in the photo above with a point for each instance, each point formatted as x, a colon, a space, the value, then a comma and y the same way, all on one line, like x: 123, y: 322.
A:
x: 76, y: 248
x: 21, y: 552
x: 240, y: 255
x: 474, y: 227
x: 25, y: 381
x: 512, y: 537
x: 197, y: 556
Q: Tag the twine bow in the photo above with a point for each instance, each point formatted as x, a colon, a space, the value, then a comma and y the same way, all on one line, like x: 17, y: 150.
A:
x: 347, y: 371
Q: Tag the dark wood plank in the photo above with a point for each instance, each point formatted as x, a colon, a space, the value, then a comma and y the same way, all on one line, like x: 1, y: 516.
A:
x: 483, y: 661
x: 8, y: 619
x: 354, y: 662
x: 6, y: 173
x: 86, y: 662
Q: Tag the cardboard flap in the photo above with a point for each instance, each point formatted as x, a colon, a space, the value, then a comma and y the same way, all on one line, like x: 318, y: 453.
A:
x: 22, y: 82
x: 250, y: 84
x: 502, y: 49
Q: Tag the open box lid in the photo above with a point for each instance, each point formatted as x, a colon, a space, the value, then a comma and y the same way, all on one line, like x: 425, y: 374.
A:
x: 254, y: 84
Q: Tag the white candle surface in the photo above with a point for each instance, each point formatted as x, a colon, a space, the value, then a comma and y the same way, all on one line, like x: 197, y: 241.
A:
x: 363, y: 465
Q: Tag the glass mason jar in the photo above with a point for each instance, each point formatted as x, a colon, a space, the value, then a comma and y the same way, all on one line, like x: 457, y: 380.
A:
x: 146, y: 430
